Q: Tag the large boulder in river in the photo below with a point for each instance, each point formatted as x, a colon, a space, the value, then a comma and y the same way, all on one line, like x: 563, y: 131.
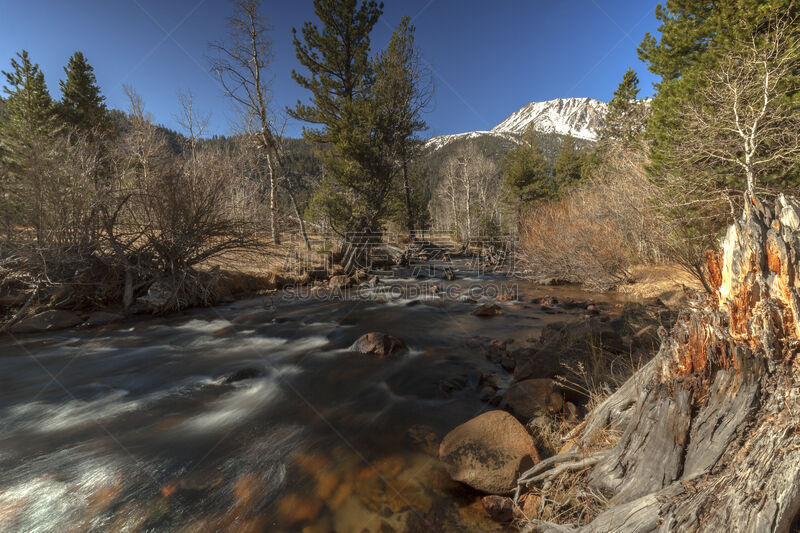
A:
x: 379, y: 344
x: 47, y: 321
x: 488, y: 452
x: 532, y: 397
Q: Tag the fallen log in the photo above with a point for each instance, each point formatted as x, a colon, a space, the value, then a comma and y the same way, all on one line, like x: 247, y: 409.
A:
x: 711, y: 426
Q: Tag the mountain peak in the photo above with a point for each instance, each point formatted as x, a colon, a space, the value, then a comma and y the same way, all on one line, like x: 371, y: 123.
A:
x: 579, y: 117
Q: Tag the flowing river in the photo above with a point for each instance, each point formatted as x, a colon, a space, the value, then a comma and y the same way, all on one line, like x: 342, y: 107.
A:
x: 135, y: 428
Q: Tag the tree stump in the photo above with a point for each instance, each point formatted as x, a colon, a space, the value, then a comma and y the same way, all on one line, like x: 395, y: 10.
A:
x: 711, y: 438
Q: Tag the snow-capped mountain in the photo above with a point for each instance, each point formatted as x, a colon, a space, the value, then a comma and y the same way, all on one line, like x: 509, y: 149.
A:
x: 578, y: 117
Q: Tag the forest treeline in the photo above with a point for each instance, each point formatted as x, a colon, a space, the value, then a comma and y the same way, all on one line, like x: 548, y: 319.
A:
x: 99, y: 205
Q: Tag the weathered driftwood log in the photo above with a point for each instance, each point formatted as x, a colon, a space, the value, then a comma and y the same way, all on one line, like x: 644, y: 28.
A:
x: 711, y: 437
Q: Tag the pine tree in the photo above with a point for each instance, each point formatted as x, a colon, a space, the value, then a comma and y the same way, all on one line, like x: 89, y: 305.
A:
x: 359, y: 166
x: 693, y: 34
x: 338, y: 60
x: 82, y: 105
x: 526, y: 172
x: 626, y: 116
x: 568, y: 164
x: 403, y: 89
x: 27, y: 138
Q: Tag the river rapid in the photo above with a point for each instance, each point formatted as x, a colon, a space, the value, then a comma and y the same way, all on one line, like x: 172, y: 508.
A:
x: 135, y: 427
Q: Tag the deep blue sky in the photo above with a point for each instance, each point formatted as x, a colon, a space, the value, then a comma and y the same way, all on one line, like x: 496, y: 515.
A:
x: 489, y: 57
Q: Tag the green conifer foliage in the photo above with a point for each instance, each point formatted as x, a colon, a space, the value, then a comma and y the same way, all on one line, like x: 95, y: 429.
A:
x: 82, y: 105
x: 27, y: 136
x: 568, y: 164
x: 526, y: 172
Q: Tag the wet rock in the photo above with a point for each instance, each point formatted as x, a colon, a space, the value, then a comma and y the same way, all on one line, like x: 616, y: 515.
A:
x: 508, y: 363
x: 545, y: 300
x: 53, y: 319
x: 360, y: 276
x: 454, y: 383
x: 568, y: 343
x: 532, y: 397
x: 487, y: 310
x: 551, y: 282
x: 338, y: 282
x: 508, y: 296
x: 424, y: 438
x: 486, y: 393
x: 412, y: 303
x: 499, y: 508
x: 378, y: 344
x: 243, y: 374
x: 492, y: 380
x: 101, y: 318
x: 467, y: 300
x: 488, y: 452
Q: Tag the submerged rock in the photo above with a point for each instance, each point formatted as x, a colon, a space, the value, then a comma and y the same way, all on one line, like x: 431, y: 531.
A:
x: 379, y: 344
x: 488, y: 310
x: 47, y: 321
x: 488, y: 452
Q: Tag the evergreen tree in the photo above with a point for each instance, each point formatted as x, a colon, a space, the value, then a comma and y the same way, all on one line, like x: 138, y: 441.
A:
x: 403, y: 89
x: 693, y: 35
x: 359, y: 165
x: 625, y: 119
x: 568, y: 164
x: 82, y: 105
x: 526, y: 172
x: 27, y: 138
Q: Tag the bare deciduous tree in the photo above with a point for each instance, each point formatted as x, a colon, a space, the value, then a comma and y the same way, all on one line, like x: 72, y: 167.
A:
x: 242, y: 66
x: 469, y: 191
x: 193, y: 123
x: 744, y: 116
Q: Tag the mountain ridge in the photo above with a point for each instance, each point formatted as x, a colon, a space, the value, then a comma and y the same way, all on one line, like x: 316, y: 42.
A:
x: 581, y: 118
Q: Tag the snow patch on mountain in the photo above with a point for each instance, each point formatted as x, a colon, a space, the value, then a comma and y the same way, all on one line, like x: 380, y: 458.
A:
x: 581, y: 118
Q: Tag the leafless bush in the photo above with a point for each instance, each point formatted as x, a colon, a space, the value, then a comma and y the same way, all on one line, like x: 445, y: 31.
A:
x: 575, y: 239
x: 621, y: 217
x: 112, y: 217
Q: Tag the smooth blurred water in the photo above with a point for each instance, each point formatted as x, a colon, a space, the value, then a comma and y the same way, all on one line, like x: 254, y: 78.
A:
x: 131, y: 428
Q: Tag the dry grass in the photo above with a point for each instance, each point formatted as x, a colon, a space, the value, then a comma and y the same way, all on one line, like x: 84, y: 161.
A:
x: 567, y: 497
x: 659, y: 281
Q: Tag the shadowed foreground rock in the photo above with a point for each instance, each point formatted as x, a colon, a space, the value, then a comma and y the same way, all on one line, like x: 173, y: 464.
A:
x: 711, y: 426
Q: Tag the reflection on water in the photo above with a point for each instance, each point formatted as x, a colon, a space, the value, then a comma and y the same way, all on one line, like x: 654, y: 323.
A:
x: 136, y: 428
